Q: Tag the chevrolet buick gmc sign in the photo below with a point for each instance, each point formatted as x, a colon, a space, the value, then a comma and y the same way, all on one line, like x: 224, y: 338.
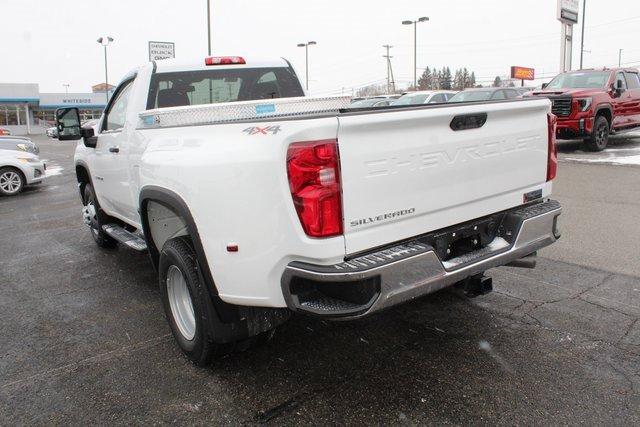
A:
x: 161, y: 50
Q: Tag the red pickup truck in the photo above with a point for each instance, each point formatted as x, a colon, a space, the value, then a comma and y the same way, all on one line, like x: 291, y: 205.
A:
x: 594, y: 104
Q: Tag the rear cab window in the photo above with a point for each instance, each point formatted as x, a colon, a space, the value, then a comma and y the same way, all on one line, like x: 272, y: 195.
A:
x: 199, y: 87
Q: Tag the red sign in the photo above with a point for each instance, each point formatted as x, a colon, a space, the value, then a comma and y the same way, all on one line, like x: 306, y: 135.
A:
x: 522, y: 73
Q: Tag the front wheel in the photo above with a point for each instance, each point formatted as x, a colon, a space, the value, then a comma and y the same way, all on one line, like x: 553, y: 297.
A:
x: 599, y: 137
x: 11, y: 181
x: 94, y: 218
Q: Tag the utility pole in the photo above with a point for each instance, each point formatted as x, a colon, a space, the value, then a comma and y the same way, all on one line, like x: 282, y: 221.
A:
x: 390, y: 82
x: 209, y: 27
x: 619, y: 57
x: 584, y: 8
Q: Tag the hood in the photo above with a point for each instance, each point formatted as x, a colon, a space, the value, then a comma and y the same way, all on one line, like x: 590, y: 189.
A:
x: 17, y: 154
x: 567, y: 92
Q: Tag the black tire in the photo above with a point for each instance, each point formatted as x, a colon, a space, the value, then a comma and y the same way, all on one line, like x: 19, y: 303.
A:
x: 102, y: 239
x: 12, y: 181
x: 201, y: 347
x: 599, y: 137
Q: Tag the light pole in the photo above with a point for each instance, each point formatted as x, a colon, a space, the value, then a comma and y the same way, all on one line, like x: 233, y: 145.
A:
x: 584, y: 8
x: 415, y: 46
x: 619, y: 57
x: 66, y: 87
x: 306, y: 55
x: 209, y: 27
x: 104, y: 41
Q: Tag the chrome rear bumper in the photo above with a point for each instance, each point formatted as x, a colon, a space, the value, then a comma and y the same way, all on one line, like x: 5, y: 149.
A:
x: 381, y: 279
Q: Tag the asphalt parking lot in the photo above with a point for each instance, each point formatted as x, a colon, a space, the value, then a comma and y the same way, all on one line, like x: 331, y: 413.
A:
x: 84, y: 338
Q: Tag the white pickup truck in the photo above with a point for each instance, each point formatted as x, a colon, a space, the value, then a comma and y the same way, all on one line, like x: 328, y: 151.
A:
x: 255, y: 201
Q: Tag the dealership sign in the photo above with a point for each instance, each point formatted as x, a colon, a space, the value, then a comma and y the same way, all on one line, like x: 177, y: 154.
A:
x: 522, y: 73
x: 161, y: 50
x: 568, y: 11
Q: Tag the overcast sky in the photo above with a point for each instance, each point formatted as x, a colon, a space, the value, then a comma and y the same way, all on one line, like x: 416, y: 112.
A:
x: 52, y: 42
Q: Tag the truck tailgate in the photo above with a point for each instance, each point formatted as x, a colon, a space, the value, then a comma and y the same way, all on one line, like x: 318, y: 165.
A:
x: 407, y: 172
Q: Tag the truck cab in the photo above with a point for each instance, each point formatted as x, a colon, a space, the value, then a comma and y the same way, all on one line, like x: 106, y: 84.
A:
x: 593, y: 104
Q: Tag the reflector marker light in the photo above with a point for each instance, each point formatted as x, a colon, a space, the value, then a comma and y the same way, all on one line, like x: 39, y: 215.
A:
x: 552, y: 153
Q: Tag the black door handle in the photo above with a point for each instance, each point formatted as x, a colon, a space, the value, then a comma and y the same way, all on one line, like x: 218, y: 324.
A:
x: 114, y: 149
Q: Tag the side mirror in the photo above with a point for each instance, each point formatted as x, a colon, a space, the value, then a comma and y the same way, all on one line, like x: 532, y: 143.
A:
x: 544, y: 85
x: 68, y: 124
x: 619, y: 86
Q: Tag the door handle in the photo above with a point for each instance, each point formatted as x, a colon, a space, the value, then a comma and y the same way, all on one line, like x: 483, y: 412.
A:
x: 114, y: 149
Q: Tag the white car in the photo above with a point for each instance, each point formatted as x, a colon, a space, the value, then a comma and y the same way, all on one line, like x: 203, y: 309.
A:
x: 19, y: 169
x: 19, y: 143
x: 255, y: 201
x: 52, y: 132
x: 424, y: 97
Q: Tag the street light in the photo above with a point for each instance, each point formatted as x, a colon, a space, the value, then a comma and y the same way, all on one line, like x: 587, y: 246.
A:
x: 66, y: 87
x: 105, y: 41
x: 415, y: 46
x: 209, y: 28
x: 619, y: 57
x: 306, y: 54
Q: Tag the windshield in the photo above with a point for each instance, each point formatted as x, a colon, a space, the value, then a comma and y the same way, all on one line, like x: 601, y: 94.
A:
x: 592, y: 79
x: 475, y: 95
x: 222, y: 85
x: 410, y: 99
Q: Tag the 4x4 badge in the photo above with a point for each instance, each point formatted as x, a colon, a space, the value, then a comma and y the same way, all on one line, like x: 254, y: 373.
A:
x: 255, y: 130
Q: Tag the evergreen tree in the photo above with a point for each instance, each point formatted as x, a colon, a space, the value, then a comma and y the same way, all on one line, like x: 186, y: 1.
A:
x: 457, y: 80
x: 437, y: 79
x: 472, y: 80
x: 446, y: 78
x: 465, y: 78
x: 425, y: 81
x: 497, y: 82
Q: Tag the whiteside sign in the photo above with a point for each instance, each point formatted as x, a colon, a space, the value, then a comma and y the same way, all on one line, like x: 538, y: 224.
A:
x: 161, y: 50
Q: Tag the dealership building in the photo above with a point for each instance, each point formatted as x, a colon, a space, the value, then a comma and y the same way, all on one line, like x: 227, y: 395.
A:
x: 26, y: 111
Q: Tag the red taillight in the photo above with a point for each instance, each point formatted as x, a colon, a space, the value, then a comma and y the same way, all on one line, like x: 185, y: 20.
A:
x: 223, y: 60
x: 313, y: 168
x: 552, y: 153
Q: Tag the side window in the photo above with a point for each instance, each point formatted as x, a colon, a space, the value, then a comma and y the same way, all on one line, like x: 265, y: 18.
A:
x: 437, y: 98
x: 632, y: 80
x: 499, y: 94
x: 117, y: 112
x: 620, y: 76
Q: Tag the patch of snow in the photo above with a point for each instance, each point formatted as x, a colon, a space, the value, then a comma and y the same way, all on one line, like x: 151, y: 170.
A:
x: 54, y: 171
x: 622, y: 160
x: 53, y: 168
